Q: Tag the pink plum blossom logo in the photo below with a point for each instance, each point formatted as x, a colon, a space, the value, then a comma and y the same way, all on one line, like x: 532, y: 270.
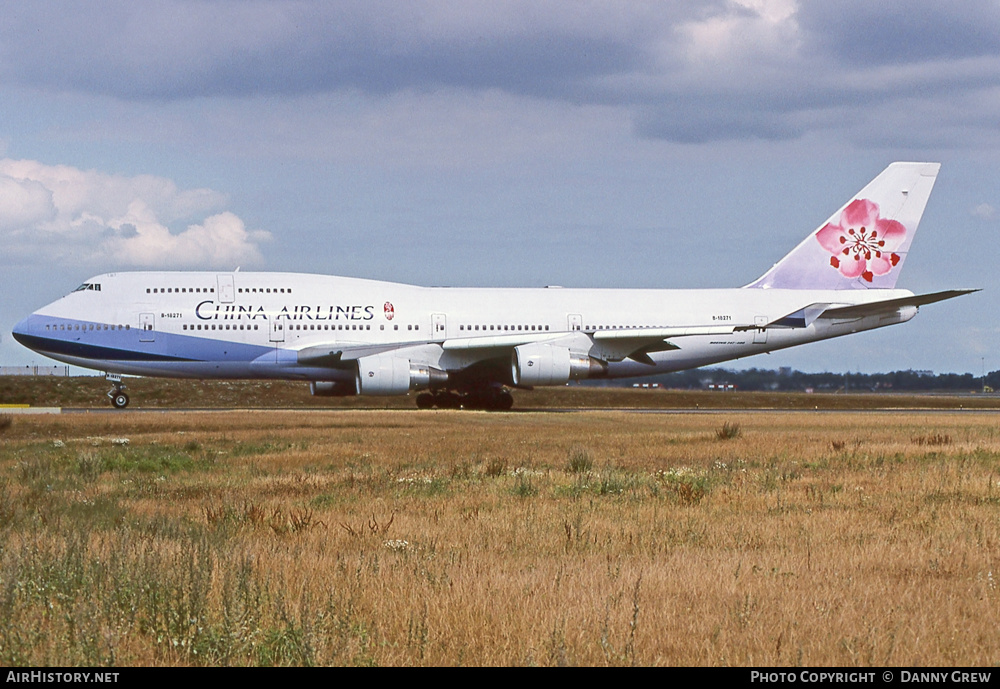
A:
x: 863, y: 244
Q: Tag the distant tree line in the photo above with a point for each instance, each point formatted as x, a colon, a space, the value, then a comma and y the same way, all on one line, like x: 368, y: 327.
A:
x: 796, y: 381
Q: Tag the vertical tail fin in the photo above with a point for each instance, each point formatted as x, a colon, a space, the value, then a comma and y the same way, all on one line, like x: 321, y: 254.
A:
x: 864, y: 244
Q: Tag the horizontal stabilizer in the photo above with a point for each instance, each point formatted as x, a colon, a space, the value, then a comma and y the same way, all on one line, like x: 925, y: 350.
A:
x: 802, y: 318
x: 807, y: 315
x: 875, y: 307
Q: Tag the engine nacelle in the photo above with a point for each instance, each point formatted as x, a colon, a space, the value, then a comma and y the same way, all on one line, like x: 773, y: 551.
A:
x: 332, y: 388
x: 387, y: 374
x: 542, y: 364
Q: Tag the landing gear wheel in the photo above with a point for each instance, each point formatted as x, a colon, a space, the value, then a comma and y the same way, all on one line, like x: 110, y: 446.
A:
x: 448, y: 400
x: 119, y: 400
x: 491, y: 399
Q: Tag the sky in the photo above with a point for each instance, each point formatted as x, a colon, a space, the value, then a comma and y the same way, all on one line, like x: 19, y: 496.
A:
x: 586, y: 144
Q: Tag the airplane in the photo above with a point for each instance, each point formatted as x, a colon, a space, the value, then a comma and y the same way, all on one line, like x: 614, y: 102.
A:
x: 467, y: 347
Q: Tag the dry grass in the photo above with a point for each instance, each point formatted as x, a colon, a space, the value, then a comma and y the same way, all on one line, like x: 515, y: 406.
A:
x: 443, y: 538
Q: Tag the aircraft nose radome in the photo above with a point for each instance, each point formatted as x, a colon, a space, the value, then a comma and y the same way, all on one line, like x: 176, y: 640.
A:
x: 21, y: 330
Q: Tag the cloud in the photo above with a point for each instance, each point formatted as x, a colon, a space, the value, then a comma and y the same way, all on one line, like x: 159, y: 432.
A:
x: 65, y: 216
x: 901, y: 31
x: 984, y: 211
x: 24, y: 203
x: 183, y: 49
x: 690, y: 71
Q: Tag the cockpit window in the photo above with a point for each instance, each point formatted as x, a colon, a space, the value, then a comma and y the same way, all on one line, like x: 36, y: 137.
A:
x: 95, y: 286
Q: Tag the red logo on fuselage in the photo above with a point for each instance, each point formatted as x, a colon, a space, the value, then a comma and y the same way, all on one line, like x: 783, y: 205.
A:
x: 389, y: 311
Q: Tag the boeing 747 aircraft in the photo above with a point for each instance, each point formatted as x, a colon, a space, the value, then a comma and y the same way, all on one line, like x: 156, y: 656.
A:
x: 464, y: 347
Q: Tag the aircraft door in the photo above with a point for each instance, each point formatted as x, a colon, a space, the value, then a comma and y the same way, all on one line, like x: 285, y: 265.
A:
x: 277, y: 328
x: 574, y: 321
x: 147, y: 323
x: 227, y: 291
x: 760, y: 331
x: 439, y: 326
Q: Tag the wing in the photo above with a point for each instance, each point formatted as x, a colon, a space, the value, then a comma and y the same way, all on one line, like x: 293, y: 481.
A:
x: 608, y: 345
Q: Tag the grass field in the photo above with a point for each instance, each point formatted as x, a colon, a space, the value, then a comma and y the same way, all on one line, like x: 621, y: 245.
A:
x: 463, y: 538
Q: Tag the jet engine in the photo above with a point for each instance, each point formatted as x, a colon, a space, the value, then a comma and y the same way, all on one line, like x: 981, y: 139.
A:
x: 387, y: 374
x: 542, y: 364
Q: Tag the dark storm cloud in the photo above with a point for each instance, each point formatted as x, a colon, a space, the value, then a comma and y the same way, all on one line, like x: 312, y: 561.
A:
x: 874, y: 33
x: 191, y: 49
x: 690, y: 72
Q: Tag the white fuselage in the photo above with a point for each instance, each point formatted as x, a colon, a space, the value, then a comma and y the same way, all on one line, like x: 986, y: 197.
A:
x: 279, y: 325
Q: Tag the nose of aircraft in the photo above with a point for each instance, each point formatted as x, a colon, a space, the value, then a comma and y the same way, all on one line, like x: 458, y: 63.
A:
x: 22, y: 330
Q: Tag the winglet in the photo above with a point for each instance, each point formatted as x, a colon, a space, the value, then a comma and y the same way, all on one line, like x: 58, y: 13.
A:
x: 864, y: 244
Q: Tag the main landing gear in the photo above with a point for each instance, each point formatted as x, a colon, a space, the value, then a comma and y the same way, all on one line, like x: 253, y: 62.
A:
x: 492, y: 399
x: 119, y: 400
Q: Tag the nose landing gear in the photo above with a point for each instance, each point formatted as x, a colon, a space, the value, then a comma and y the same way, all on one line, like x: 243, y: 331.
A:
x: 119, y: 400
